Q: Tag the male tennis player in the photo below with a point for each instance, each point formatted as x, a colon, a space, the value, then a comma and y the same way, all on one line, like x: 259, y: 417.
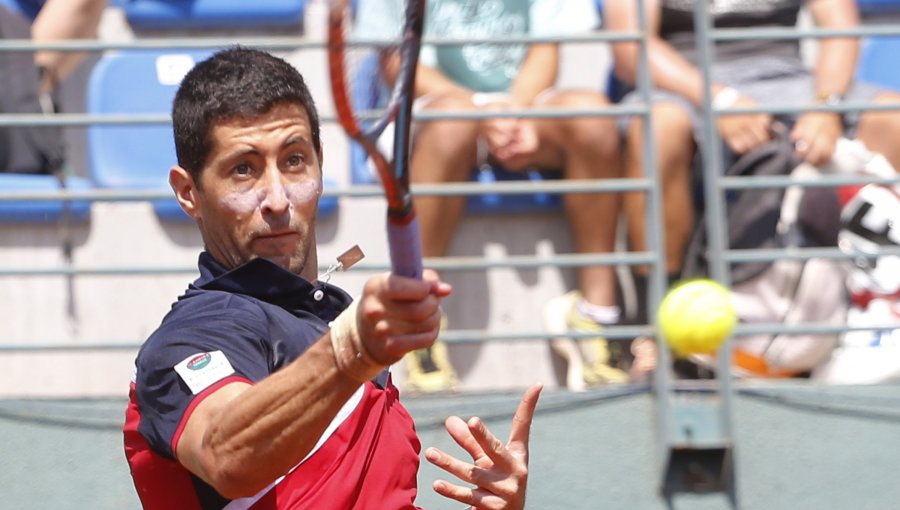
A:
x: 263, y: 387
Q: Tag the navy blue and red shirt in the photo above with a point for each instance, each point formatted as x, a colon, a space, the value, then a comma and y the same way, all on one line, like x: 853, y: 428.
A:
x: 242, y: 325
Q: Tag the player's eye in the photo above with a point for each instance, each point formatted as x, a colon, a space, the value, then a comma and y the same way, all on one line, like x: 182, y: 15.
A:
x: 242, y: 170
x: 295, y: 160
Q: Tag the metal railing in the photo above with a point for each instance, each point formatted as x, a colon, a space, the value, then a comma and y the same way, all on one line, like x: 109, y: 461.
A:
x: 654, y: 256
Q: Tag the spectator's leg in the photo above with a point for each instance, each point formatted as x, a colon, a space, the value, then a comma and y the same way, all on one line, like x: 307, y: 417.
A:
x: 878, y: 130
x: 586, y: 148
x: 62, y: 20
x: 675, y: 147
x: 443, y: 151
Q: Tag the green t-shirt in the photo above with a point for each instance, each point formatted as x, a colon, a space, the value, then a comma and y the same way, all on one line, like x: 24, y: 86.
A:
x: 482, y: 67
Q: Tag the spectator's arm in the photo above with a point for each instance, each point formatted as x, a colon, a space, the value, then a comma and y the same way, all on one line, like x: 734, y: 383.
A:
x: 668, y: 69
x: 837, y: 57
x: 61, y: 20
x: 428, y: 79
x: 537, y: 73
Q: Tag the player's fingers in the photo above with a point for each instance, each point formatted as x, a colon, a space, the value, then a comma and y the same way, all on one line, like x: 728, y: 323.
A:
x: 460, y: 432
x: 399, y: 288
x: 521, y: 423
x: 490, y: 444
x: 476, y: 498
x: 465, y: 471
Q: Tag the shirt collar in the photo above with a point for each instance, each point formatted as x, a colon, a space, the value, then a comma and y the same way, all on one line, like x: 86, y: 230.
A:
x: 268, y: 282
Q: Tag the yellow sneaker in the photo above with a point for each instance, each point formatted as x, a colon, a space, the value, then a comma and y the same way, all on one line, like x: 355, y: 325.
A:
x: 429, y: 370
x: 589, y: 360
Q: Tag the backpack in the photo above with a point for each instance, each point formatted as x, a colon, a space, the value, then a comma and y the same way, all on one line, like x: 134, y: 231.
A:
x: 783, y: 291
x: 24, y: 149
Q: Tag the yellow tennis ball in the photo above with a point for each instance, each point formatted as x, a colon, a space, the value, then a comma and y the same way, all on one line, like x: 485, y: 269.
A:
x: 696, y: 317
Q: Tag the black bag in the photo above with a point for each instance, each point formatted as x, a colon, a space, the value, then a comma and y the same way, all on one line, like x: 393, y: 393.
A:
x: 24, y: 149
x: 782, y: 291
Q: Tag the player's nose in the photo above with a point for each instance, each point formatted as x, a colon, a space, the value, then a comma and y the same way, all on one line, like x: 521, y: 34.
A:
x: 274, y: 195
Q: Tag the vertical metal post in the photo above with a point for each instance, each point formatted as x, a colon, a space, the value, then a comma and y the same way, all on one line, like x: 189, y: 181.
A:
x: 655, y: 237
x: 699, y: 428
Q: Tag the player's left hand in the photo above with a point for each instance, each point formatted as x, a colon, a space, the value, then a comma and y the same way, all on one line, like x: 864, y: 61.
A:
x: 499, y: 472
x: 815, y: 136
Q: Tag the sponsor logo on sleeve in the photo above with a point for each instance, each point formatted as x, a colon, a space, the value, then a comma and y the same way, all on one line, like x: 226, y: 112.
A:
x: 202, y: 370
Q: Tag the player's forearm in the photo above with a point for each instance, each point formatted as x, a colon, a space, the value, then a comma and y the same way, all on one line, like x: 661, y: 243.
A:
x: 265, y: 431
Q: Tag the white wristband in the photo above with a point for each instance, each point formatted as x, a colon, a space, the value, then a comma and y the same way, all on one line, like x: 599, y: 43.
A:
x: 725, y: 98
x: 481, y: 99
x: 350, y: 355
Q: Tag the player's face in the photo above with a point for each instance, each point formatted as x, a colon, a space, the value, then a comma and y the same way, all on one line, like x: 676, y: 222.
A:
x: 260, y: 190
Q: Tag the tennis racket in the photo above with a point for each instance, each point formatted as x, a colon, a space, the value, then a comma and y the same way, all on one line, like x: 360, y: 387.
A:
x: 365, y: 128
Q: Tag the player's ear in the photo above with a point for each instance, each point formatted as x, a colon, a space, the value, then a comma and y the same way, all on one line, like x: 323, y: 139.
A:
x: 321, y: 155
x: 185, y: 189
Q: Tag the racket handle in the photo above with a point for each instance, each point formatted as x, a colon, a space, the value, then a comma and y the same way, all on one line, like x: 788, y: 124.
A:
x: 405, y: 248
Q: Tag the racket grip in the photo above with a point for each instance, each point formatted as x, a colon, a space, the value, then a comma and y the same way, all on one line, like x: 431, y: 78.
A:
x: 405, y: 248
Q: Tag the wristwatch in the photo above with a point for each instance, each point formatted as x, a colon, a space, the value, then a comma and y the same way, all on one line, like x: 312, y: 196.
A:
x: 829, y: 98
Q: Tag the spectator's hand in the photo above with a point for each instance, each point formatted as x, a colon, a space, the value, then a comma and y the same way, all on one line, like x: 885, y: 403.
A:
x: 743, y: 133
x: 520, y: 149
x: 396, y: 314
x: 499, y: 472
x: 815, y: 136
x: 499, y: 131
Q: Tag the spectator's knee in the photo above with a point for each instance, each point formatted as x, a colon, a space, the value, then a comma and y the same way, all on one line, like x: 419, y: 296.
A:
x: 594, y: 133
x: 447, y: 135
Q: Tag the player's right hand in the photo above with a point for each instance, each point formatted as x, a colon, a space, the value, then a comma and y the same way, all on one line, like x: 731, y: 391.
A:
x: 396, y: 314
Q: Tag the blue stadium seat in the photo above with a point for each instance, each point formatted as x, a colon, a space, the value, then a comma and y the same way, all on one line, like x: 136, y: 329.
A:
x: 139, y: 156
x: 221, y: 14
x: 870, y: 7
x: 878, y: 61
x: 41, y: 211
x: 369, y: 92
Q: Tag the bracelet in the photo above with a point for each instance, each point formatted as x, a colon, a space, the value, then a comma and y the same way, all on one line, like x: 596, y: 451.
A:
x: 481, y: 99
x: 350, y: 355
x: 829, y: 98
x: 725, y: 98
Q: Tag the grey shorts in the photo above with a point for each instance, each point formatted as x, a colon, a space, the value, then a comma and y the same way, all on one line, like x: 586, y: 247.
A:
x: 765, y: 80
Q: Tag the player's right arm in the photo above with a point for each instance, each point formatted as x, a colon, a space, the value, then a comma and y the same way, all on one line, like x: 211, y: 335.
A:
x: 672, y: 72
x: 243, y: 437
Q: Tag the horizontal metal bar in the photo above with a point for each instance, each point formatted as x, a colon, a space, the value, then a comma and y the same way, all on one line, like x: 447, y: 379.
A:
x: 780, y: 109
x: 819, y: 181
x: 549, y: 186
x: 826, y: 252
x: 297, y: 42
x: 745, y: 329
x: 789, y: 33
x: 446, y: 264
x: 293, y: 42
x: 615, y: 110
x: 463, y: 336
x: 68, y: 347
x: 141, y: 119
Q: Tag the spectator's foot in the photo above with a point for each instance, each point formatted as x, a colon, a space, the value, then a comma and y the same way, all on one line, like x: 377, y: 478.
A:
x: 429, y: 370
x: 645, y: 353
x: 589, y: 360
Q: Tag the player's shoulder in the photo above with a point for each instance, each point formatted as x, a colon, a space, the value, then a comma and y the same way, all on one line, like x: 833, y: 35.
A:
x: 208, y: 315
